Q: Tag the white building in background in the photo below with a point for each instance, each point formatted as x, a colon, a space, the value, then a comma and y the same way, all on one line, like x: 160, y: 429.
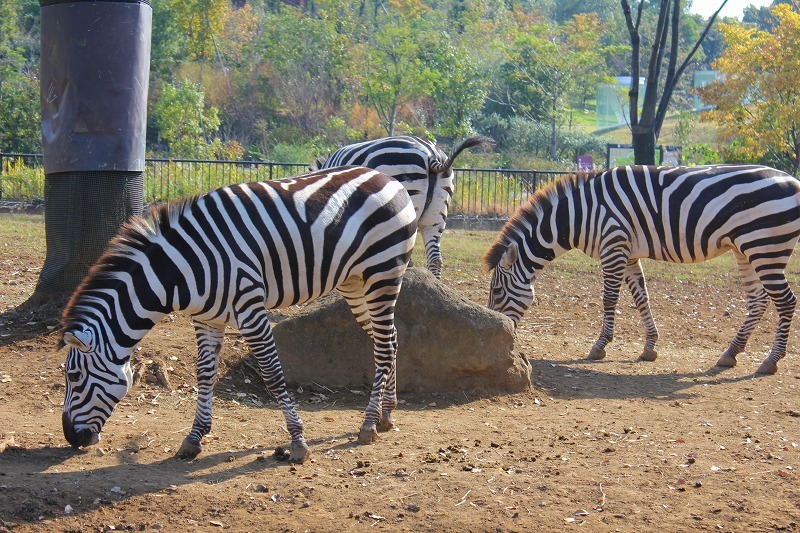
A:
x: 612, y: 107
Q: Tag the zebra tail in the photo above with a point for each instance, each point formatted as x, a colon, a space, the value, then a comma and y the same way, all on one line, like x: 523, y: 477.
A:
x: 318, y: 163
x: 460, y: 146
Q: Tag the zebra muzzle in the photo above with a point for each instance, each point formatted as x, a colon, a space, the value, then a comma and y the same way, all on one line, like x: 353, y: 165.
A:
x: 78, y: 438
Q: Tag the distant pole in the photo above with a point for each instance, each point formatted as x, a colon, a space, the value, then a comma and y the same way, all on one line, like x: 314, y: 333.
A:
x: 95, y: 63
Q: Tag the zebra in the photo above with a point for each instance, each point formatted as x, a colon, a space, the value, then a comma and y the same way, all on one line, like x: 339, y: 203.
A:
x: 674, y: 214
x: 226, y: 257
x: 423, y: 169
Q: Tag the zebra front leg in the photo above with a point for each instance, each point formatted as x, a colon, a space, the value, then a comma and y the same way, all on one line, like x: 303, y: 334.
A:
x: 634, y: 277
x: 613, y: 263
x: 258, y: 334
x: 757, y: 301
x: 209, y: 343
x: 785, y: 303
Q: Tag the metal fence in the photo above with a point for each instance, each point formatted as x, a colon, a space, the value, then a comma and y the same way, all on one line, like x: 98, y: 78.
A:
x: 493, y: 193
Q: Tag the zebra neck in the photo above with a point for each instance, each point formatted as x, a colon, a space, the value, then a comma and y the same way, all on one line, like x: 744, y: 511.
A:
x: 546, y: 239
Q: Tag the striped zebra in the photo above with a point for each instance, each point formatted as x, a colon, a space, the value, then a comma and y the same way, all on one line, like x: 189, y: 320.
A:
x: 225, y: 258
x: 675, y: 214
x: 423, y: 169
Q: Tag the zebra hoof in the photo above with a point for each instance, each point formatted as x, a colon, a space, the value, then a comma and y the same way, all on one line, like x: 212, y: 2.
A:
x: 297, y: 453
x: 767, y: 367
x: 386, y: 423
x: 648, y: 354
x: 367, y: 435
x: 595, y: 354
x: 726, y: 361
x: 189, y: 450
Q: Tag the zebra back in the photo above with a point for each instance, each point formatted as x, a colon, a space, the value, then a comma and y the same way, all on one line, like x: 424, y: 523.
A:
x: 292, y: 239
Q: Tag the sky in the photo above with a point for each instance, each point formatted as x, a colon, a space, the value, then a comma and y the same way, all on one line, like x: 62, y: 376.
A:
x: 733, y: 8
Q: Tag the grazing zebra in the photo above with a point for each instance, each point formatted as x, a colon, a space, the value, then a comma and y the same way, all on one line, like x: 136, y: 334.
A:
x: 423, y: 169
x: 675, y: 214
x: 225, y: 258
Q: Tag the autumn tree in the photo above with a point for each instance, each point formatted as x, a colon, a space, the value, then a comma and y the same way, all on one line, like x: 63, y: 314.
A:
x: 662, y: 73
x: 757, y: 95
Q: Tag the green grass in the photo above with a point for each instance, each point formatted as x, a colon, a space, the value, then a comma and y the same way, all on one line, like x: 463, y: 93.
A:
x: 464, y: 249
x: 23, y: 232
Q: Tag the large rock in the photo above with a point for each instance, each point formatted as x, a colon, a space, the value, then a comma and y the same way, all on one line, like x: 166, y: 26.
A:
x: 446, y: 343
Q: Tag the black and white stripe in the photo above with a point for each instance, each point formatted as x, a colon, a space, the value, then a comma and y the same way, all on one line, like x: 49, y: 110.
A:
x: 675, y: 214
x: 225, y: 258
x: 423, y: 169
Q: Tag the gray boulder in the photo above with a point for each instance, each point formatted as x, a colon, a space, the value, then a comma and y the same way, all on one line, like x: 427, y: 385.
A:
x: 446, y: 343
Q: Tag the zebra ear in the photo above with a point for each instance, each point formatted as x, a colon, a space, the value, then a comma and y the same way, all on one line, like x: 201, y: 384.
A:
x: 82, y: 340
x: 510, y: 256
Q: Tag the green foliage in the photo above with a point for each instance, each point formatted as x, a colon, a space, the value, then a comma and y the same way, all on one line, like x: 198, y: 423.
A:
x: 321, y: 74
x: 20, y: 116
x: 21, y: 182
x: 185, y: 123
x: 520, y: 139
x: 393, y: 65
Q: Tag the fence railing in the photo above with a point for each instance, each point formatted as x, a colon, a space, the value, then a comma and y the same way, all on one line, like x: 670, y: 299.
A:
x: 478, y: 192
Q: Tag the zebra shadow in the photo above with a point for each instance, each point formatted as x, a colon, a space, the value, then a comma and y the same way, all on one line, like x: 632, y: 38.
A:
x: 583, y: 379
x: 35, y: 483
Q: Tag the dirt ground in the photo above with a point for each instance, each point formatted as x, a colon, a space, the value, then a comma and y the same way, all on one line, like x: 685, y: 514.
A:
x: 673, y: 445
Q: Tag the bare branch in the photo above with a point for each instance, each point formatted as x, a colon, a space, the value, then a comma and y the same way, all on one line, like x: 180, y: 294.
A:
x: 669, y: 87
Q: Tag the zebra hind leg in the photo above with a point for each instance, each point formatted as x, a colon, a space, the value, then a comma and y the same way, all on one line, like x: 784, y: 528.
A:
x: 432, y: 235
x: 757, y: 301
x: 258, y: 334
x: 353, y: 293
x: 383, y: 398
x: 389, y: 401
x: 785, y: 303
x: 209, y: 344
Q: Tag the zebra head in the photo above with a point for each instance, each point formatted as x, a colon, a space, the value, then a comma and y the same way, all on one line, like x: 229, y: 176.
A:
x: 511, y: 289
x: 96, y: 380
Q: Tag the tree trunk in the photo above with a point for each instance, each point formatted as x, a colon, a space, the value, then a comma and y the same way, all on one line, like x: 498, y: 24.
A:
x: 644, y: 145
x: 94, y: 78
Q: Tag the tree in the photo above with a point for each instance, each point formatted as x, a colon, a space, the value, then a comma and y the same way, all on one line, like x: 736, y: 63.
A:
x: 306, y: 74
x: 659, y: 84
x: 758, y: 93
x: 20, y: 128
x: 548, y: 70
x: 460, y: 91
x: 394, y: 71
x: 19, y: 87
x: 185, y: 123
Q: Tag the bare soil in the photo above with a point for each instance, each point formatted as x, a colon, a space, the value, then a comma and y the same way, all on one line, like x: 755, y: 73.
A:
x: 616, y: 445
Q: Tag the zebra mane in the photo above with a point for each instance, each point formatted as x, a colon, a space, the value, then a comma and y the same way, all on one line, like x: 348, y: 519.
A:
x: 538, y: 203
x: 439, y: 166
x: 137, y: 233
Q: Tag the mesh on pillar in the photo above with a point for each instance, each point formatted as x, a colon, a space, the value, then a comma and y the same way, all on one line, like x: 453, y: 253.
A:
x: 94, y: 80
